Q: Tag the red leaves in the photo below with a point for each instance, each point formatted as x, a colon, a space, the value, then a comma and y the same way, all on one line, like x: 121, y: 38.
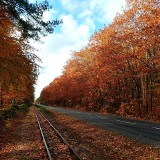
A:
x: 120, y: 64
x: 22, y: 140
x: 18, y: 68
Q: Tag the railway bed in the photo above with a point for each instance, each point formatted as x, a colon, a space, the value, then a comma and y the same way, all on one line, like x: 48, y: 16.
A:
x: 55, y: 144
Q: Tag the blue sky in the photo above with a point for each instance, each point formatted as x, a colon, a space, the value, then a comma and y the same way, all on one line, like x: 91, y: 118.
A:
x: 81, y: 18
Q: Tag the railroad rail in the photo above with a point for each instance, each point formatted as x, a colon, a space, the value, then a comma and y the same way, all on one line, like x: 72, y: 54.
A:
x: 51, y: 137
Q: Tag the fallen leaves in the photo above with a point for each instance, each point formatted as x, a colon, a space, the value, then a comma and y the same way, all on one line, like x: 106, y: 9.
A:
x: 22, y: 140
x: 96, y: 144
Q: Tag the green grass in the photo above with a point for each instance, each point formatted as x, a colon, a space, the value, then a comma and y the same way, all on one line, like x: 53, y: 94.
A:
x: 42, y: 109
x: 11, y: 112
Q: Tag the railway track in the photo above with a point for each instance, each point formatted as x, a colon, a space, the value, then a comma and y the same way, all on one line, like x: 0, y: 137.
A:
x: 56, y: 146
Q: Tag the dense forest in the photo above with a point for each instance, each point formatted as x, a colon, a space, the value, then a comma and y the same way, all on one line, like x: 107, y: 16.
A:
x: 118, y: 71
x: 20, y: 22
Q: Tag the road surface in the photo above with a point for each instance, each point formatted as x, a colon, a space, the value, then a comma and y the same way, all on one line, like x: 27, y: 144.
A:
x: 139, y: 130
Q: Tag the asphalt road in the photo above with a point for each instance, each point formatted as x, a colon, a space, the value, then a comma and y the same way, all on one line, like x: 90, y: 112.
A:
x: 143, y: 131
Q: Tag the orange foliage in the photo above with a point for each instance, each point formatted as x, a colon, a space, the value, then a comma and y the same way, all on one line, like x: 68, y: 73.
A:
x: 18, y: 69
x: 120, y: 65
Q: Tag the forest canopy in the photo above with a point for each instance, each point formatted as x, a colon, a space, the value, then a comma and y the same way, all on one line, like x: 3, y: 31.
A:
x: 118, y: 71
x: 19, y: 22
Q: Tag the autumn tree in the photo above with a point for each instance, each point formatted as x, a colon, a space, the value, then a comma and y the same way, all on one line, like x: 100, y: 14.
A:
x: 119, y: 67
x: 19, y: 22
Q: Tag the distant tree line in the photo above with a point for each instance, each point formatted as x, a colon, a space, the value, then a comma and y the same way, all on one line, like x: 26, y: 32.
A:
x: 119, y: 69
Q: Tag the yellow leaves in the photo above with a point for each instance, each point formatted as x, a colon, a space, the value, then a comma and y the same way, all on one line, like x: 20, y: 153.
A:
x: 18, y: 69
x: 109, y: 69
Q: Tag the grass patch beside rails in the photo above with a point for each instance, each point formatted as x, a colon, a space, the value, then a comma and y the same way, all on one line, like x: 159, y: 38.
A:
x: 7, y: 114
x: 42, y: 109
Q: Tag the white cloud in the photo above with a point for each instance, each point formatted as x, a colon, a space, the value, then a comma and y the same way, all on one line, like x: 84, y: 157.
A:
x: 85, y: 13
x: 90, y: 23
x: 79, y: 23
x: 105, y: 10
x: 71, y: 5
x: 57, y: 49
x: 48, y: 15
x: 102, y: 10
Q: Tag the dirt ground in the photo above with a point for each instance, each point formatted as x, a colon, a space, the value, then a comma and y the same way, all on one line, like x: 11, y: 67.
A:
x: 20, y: 139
